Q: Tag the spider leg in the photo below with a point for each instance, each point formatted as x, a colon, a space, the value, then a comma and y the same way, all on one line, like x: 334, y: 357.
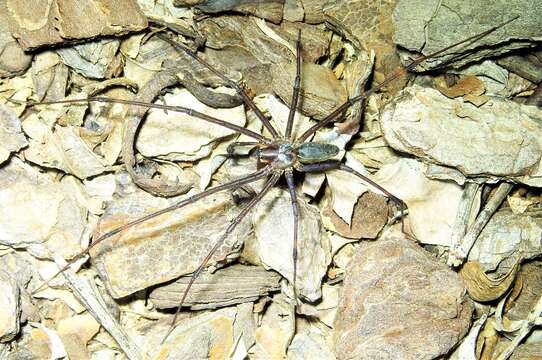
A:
x: 295, y: 210
x: 180, y: 109
x: 244, y: 96
x: 231, y: 185
x: 398, y: 72
x: 268, y: 185
x: 337, y: 165
x: 297, y: 86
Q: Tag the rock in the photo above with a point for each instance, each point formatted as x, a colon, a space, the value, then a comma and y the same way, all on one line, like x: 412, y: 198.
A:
x: 399, y: 302
x: 273, y: 226
x: 309, y: 345
x: 528, y: 67
x: 500, y: 139
x: 199, y: 137
x: 166, y: 247
x: 209, y: 335
x: 13, y: 60
x: 426, y: 27
x: 46, y: 23
x: 10, y: 309
x: 322, y: 92
x: 11, y: 137
x: 95, y: 60
x: 64, y: 149
x: 36, y: 210
x: 432, y: 204
x: 506, y: 238
x: 76, y: 332
x: 276, y: 330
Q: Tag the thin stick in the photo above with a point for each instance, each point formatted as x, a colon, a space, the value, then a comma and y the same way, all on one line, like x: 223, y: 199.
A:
x: 231, y: 185
x: 180, y: 109
x: 295, y: 93
x: 269, y: 184
x: 246, y: 99
x: 87, y: 293
x: 460, y: 252
x: 397, y: 73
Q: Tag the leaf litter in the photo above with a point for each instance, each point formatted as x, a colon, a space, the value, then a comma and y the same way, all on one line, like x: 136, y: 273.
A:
x: 69, y: 172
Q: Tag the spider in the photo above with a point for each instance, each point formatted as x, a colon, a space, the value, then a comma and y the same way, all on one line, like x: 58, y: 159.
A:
x: 280, y: 155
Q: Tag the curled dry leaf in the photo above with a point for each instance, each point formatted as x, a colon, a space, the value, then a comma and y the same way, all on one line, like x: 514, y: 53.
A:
x: 482, y: 287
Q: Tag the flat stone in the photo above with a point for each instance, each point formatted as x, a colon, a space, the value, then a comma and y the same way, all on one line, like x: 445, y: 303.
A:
x: 36, y: 210
x: 48, y: 23
x: 322, y: 92
x: 10, y: 309
x: 501, y: 138
x: 506, y: 238
x: 167, y: 246
x: 12, y: 138
x: 274, y: 229
x: 428, y: 26
x: 399, y: 302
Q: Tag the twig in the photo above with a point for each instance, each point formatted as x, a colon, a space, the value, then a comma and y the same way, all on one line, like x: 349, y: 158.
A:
x: 533, y: 319
x: 464, y: 211
x: 460, y: 251
x: 87, y: 293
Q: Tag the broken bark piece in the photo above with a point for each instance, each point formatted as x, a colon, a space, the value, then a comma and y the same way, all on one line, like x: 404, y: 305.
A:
x: 528, y: 67
x: 232, y: 285
x: 44, y: 22
x: 266, y: 9
x: 418, y: 310
x: 426, y: 27
x: 484, y: 287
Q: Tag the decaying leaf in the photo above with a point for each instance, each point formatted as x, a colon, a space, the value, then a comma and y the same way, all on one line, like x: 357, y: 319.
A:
x: 482, y: 287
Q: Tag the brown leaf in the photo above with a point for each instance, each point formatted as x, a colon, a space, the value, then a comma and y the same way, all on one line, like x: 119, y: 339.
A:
x: 481, y: 287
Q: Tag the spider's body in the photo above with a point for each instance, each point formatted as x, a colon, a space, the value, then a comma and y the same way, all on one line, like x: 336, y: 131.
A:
x: 287, y: 156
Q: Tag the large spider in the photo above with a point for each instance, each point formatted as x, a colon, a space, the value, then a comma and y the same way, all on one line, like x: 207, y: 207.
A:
x: 279, y: 155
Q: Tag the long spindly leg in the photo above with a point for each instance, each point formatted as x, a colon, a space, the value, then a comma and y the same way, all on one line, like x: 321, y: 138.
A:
x: 399, y: 72
x: 180, y: 109
x: 295, y: 93
x: 231, y: 185
x: 295, y: 209
x: 246, y: 99
x: 337, y: 165
x: 268, y: 185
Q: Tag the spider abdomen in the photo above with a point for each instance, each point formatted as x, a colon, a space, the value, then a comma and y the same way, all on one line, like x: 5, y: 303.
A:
x: 313, y: 152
